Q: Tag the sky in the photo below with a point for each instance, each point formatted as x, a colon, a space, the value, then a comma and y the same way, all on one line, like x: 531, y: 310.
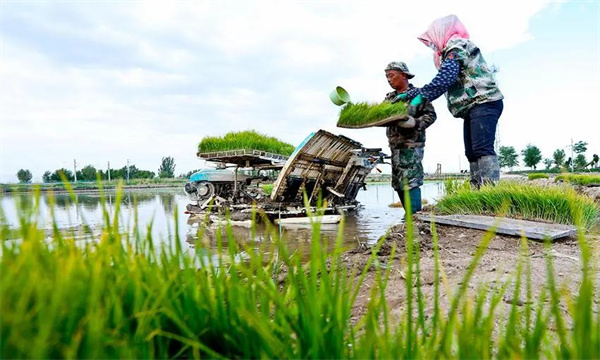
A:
x: 116, y: 81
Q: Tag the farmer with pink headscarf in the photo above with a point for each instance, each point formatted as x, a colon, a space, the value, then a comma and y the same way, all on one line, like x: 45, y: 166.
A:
x: 471, y: 92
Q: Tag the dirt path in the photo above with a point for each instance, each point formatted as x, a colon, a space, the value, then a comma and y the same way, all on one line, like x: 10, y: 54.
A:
x: 457, y: 246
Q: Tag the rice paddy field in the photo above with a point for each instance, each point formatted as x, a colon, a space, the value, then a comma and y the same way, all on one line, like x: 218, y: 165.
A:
x: 127, y: 295
x: 365, y: 114
x: 245, y: 140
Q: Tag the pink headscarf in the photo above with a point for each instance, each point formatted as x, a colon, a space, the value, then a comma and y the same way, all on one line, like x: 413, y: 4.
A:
x: 440, y: 32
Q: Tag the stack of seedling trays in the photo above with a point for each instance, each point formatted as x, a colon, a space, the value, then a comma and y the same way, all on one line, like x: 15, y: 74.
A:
x: 245, y: 149
x: 364, y: 114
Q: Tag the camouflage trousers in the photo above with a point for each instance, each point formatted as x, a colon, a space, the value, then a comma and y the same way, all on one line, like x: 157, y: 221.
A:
x: 407, y: 166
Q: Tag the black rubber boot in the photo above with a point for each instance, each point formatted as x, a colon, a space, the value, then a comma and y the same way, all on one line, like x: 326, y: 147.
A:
x: 401, y: 196
x: 475, y: 174
x: 489, y: 168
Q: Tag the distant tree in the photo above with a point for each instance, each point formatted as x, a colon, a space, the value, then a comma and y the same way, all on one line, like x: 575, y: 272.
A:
x: 46, y: 177
x: 580, y: 162
x: 531, y: 156
x: 594, y: 162
x: 88, y: 173
x: 559, y: 158
x: 145, y: 174
x: 55, y: 176
x: 133, y: 172
x: 24, y: 176
x: 580, y: 147
x: 548, y: 163
x: 167, y: 168
x: 508, y: 157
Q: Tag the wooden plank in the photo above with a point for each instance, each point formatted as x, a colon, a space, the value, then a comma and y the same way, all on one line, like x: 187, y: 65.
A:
x: 516, y: 227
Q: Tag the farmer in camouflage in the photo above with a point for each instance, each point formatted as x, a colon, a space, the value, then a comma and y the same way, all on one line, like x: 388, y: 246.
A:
x: 407, y: 138
x: 471, y: 92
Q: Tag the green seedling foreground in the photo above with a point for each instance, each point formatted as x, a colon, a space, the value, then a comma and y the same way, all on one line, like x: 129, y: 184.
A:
x: 127, y: 295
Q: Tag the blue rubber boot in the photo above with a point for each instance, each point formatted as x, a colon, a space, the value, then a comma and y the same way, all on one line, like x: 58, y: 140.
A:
x: 415, y: 199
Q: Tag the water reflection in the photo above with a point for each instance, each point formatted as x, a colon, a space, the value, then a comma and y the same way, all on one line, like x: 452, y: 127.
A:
x: 25, y: 200
x: 61, y: 201
x: 297, y: 238
x: 168, y: 202
x: 367, y: 224
x: 91, y: 202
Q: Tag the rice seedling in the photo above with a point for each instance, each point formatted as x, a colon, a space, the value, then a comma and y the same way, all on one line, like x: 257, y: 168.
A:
x: 267, y: 188
x: 364, y: 114
x: 534, y: 176
x: 126, y: 295
x: 245, y: 140
x: 451, y: 186
x: 527, y: 201
x: 583, y: 180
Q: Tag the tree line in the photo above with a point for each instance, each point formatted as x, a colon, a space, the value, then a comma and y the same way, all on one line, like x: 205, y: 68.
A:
x: 532, y: 156
x: 90, y: 173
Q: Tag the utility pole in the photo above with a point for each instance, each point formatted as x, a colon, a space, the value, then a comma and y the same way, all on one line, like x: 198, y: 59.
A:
x: 127, y: 170
x: 75, y: 169
x: 109, y: 171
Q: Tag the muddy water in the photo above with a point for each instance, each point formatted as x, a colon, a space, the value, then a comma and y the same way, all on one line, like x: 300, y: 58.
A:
x: 159, y: 206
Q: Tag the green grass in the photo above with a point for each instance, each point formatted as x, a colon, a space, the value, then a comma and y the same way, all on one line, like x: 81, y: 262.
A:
x: 579, y: 179
x: 534, y: 176
x: 127, y: 295
x: 247, y: 140
x: 556, y: 204
x: 267, y: 188
x: 364, y: 113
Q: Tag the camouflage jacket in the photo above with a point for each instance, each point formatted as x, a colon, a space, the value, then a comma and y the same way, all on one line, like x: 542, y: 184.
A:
x: 476, y: 82
x: 401, y: 138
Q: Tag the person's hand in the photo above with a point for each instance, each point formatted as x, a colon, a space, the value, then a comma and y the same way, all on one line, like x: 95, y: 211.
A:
x: 408, y: 123
x: 412, y: 106
x: 418, y: 100
x: 402, y: 96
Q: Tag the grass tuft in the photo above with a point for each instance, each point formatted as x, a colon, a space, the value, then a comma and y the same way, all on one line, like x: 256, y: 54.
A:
x: 534, y: 176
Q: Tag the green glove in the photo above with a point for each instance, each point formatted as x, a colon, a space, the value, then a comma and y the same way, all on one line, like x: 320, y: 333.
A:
x: 402, y: 96
x: 418, y: 100
x: 412, y: 107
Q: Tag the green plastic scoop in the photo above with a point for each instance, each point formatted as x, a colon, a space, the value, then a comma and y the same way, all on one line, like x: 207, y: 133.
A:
x: 339, y: 96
